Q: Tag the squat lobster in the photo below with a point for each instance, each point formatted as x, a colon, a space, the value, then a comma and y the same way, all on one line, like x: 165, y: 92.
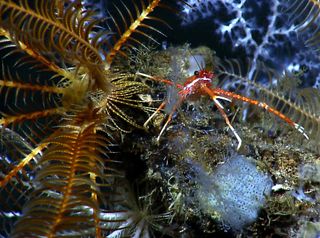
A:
x: 201, y: 84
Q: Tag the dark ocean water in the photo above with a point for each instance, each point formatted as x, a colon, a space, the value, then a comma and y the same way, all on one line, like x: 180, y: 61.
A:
x: 259, y: 30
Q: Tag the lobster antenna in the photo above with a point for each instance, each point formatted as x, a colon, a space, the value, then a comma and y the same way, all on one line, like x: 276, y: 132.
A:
x: 195, y: 59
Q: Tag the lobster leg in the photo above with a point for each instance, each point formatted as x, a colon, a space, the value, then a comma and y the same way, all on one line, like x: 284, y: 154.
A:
x: 214, y: 97
x: 221, y: 92
x: 224, y: 115
x: 174, y: 109
x: 162, y: 105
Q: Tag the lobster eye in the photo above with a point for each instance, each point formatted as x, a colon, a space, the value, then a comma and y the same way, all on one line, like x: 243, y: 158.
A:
x: 196, y: 73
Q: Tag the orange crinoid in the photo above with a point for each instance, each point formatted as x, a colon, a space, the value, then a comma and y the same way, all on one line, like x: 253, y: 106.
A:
x: 60, y: 101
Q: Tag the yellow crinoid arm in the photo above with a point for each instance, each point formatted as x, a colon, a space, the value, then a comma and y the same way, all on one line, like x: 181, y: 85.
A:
x: 56, y: 35
x: 131, y: 25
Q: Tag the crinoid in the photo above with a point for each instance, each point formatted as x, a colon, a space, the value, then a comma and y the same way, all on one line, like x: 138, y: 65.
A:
x: 61, y: 103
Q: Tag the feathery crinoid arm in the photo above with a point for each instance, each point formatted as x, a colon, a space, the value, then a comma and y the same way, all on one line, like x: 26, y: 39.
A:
x: 17, y: 163
x: 68, y: 195
x: 130, y: 26
x: 59, y: 31
x: 305, y: 15
x: 30, y: 95
x: 29, y: 110
x: 281, y: 92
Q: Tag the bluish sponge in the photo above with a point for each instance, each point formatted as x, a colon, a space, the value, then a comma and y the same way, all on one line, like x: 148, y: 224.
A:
x: 236, y: 192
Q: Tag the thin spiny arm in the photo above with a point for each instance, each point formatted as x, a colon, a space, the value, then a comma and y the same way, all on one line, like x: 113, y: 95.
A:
x: 32, y: 87
x: 13, y: 172
x: 30, y: 116
x: 51, y: 65
x: 131, y: 29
